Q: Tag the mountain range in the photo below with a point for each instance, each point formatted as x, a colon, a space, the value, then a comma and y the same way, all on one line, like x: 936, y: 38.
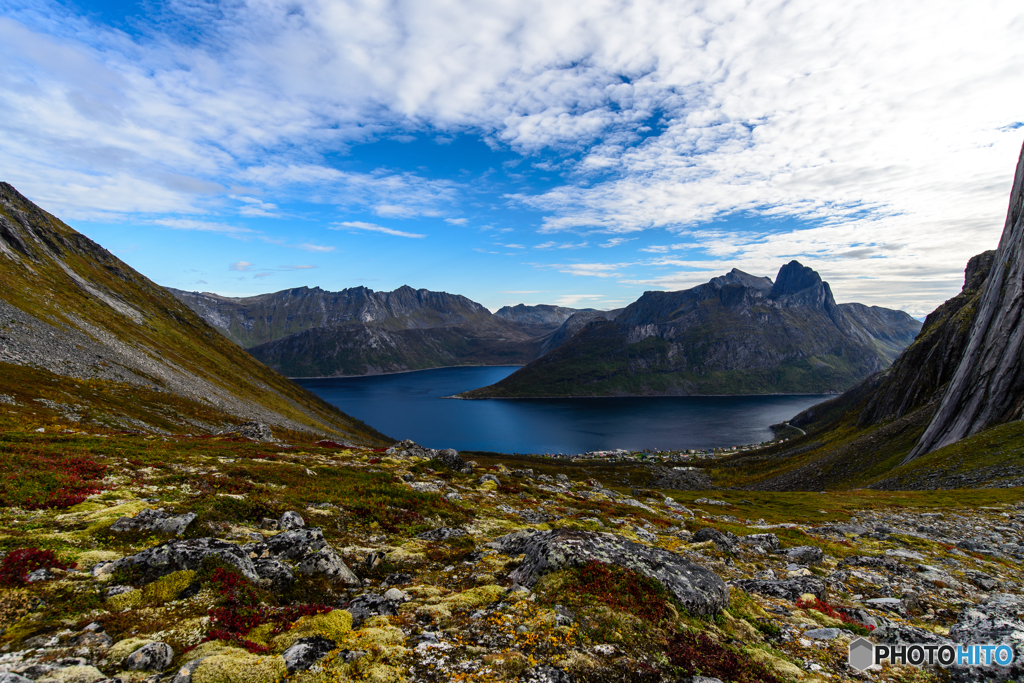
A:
x: 307, y: 332
x: 84, y: 338
x: 736, y: 334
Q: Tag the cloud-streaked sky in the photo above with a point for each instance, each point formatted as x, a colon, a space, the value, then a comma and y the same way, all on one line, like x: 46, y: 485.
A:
x: 520, y: 151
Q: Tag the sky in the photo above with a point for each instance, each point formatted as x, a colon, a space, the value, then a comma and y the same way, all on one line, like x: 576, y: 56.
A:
x: 520, y: 151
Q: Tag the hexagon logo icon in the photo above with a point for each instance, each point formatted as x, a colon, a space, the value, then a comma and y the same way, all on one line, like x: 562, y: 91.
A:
x: 862, y: 654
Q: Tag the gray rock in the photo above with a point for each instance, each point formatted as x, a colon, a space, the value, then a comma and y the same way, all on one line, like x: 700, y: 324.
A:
x: 769, y: 542
x: 700, y: 679
x: 155, y: 520
x: 450, y: 458
x: 395, y: 595
x: 293, y: 544
x: 787, y: 589
x: 805, y: 554
x: 306, y: 652
x: 408, y: 449
x: 841, y: 529
x: 11, y: 677
x: 152, y: 657
x: 275, y: 572
x: 256, y: 431
x: 370, y: 605
x: 174, y: 556
x: 545, y: 674
x: 489, y: 477
x: 442, y: 533
x: 111, y: 591
x: 291, y: 520
x: 682, y: 479
x: 724, y: 540
x: 43, y: 574
x: 894, y: 605
x: 823, y: 633
x: 328, y: 562
x: 184, y: 674
x: 699, y: 590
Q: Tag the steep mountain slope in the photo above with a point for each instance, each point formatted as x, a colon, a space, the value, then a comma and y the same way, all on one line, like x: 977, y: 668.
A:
x: 737, y: 334
x: 307, y: 332
x: 86, y: 338
x: 988, y: 387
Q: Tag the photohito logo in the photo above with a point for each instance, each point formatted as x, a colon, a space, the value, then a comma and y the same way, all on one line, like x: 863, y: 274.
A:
x: 864, y: 653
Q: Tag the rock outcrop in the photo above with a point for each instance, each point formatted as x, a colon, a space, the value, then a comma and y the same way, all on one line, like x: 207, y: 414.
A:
x: 699, y: 590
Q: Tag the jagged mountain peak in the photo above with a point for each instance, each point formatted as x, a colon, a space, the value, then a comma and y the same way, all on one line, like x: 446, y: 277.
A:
x: 794, y: 277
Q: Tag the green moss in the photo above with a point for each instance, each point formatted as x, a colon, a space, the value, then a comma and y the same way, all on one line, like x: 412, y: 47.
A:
x: 162, y: 590
x: 334, y: 625
x: 240, y: 667
x: 121, y: 649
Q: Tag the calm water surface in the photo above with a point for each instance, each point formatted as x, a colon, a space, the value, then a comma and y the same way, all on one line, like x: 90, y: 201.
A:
x: 408, y: 406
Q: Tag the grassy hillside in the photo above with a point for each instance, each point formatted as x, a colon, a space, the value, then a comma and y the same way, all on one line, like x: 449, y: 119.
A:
x: 73, y: 310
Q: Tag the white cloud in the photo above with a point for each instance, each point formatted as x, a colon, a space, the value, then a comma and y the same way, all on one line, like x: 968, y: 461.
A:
x: 370, y: 227
x: 309, y: 246
x: 456, y: 221
x: 303, y: 267
x: 616, y: 241
x: 560, y: 245
x: 256, y: 207
x: 240, y: 266
x: 203, y: 226
x: 603, y: 270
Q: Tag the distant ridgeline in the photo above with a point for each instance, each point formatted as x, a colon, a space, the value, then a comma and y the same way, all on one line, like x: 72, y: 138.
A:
x: 86, y: 339
x: 737, y: 334
x: 314, y: 333
x: 946, y: 414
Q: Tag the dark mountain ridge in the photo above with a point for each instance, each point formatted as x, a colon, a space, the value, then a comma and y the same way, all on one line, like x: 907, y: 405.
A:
x: 311, y: 332
x: 735, y: 334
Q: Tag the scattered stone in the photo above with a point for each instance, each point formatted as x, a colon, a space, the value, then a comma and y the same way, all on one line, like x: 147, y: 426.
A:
x: 822, y: 633
x: 787, y: 589
x: 155, y: 520
x: 488, y: 477
x: 805, y: 554
x: 291, y: 520
x: 725, y: 541
x: 410, y: 449
x: 395, y: 595
x: 369, y: 605
x: 545, y: 674
x: 682, y: 479
x: 10, y: 677
x: 769, y: 542
x: 43, y: 574
x: 450, y: 458
x: 710, y: 501
x: 184, y: 674
x: 699, y: 590
x: 328, y: 562
x: 151, y: 657
x: 306, y: 652
x: 442, y: 534
x: 255, y: 431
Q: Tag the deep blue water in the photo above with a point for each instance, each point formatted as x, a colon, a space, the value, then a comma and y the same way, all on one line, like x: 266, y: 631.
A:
x: 408, y: 406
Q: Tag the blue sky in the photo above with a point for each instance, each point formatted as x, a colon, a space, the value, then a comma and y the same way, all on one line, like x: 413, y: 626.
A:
x: 577, y: 153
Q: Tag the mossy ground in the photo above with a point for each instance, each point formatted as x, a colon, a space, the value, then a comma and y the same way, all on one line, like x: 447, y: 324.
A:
x: 458, y: 588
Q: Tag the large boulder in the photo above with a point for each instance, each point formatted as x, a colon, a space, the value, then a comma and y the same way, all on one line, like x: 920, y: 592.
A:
x: 290, y: 520
x: 408, y: 449
x: 306, y: 652
x: 155, y: 520
x: 151, y: 657
x: 699, y: 589
x: 175, y: 556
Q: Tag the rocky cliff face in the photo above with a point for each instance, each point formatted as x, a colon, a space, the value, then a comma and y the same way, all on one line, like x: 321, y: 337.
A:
x: 988, y: 385
x: 541, y: 314
x: 73, y: 313
x: 735, y: 334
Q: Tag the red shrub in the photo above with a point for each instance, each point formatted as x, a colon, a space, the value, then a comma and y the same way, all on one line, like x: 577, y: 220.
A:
x: 836, y: 612
x: 697, y: 654
x: 18, y: 564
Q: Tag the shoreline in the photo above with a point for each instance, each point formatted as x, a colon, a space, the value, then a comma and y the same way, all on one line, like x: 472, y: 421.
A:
x: 458, y: 397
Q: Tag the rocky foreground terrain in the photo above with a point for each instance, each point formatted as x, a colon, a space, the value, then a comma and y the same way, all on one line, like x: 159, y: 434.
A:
x: 183, y: 559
